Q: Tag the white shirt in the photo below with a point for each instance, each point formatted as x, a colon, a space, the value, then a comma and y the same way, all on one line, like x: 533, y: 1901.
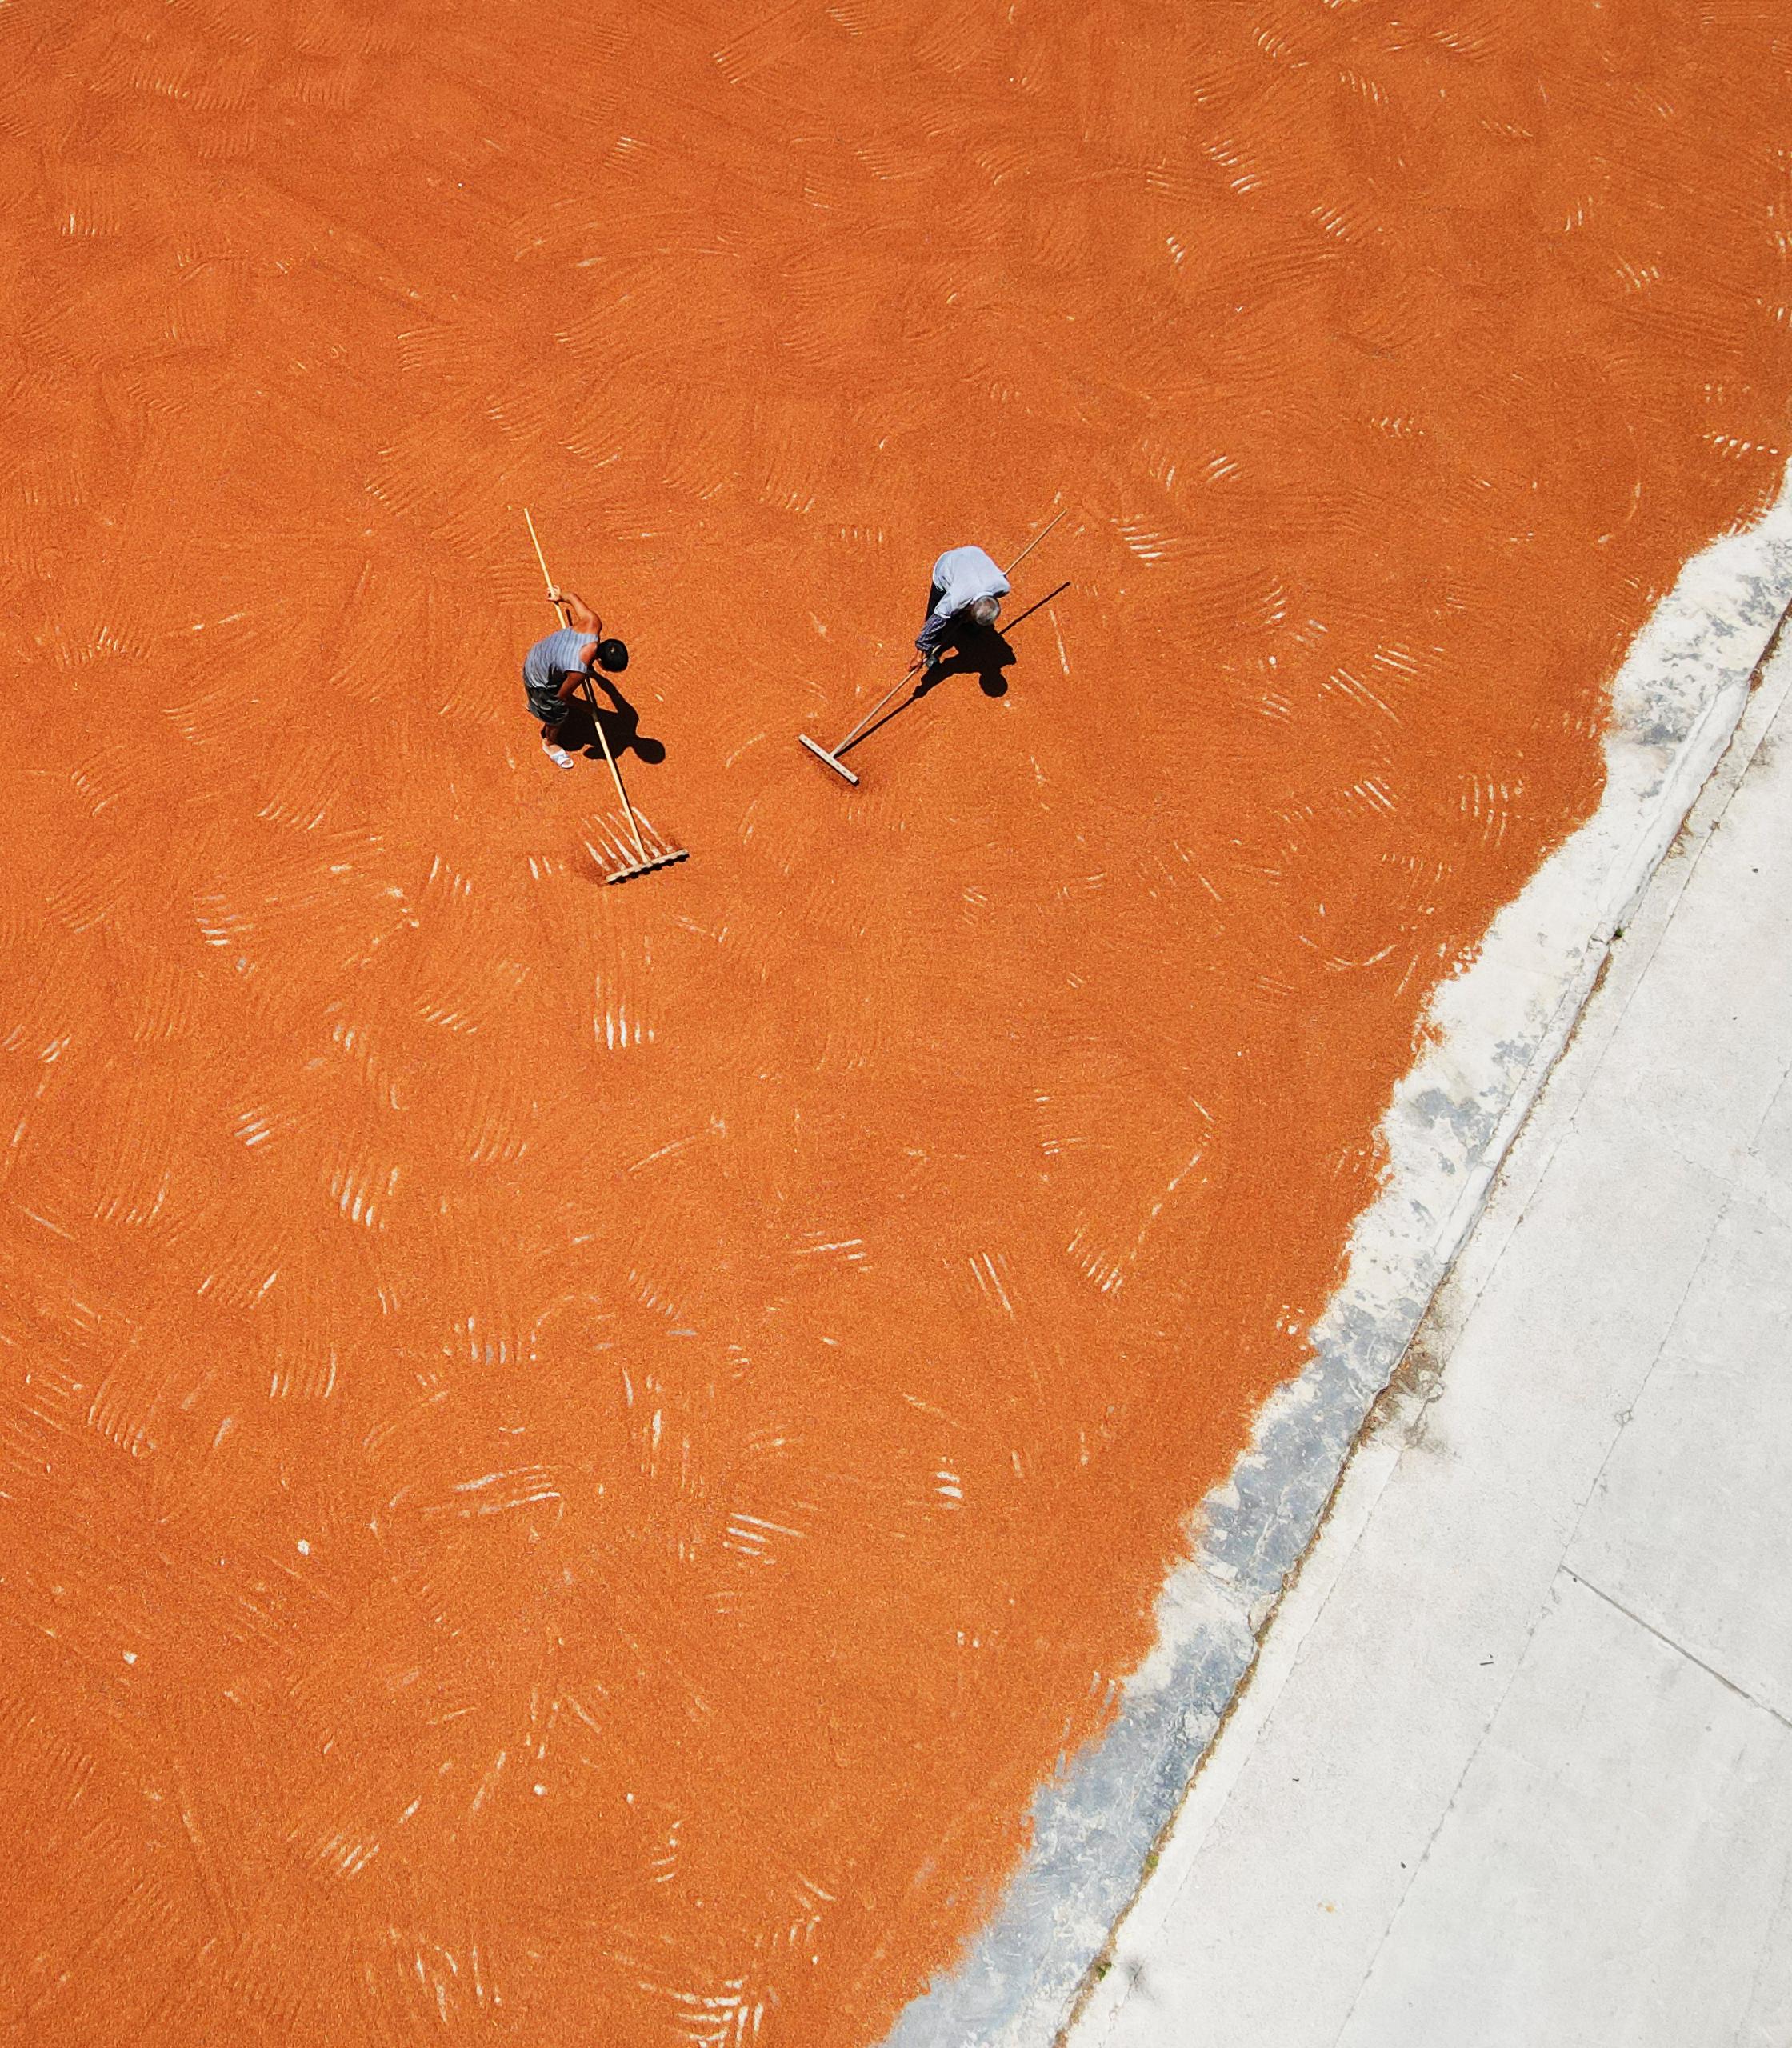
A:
x: 962, y: 576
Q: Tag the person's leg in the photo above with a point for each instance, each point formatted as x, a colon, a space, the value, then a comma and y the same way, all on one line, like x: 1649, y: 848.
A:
x: 552, y: 712
x: 934, y: 637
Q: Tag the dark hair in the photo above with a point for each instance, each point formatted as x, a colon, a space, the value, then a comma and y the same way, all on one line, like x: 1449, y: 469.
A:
x: 613, y: 656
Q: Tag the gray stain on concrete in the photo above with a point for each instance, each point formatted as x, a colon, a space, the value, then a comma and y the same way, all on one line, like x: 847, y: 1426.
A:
x: 1500, y: 1026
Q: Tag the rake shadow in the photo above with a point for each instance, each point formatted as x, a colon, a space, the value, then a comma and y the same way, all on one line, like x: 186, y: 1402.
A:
x: 982, y: 651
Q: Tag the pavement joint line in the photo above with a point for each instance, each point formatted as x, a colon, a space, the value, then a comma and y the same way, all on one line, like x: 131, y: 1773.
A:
x: 1495, y: 1034
x: 1679, y: 1649
x: 1641, y: 1386
x: 1543, y: 1608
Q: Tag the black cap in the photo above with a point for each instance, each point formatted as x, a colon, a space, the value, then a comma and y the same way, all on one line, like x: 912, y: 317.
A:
x: 613, y: 656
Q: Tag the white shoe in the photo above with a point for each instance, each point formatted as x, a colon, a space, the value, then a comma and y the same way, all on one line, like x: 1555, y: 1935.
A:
x: 558, y: 755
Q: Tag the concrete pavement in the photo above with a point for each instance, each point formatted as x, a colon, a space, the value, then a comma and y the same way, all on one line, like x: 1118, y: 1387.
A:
x: 1515, y: 1762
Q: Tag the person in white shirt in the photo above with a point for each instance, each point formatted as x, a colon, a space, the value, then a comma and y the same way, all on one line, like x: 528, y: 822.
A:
x: 967, y: 590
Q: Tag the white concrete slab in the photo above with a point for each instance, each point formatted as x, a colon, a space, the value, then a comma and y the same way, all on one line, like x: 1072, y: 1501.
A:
x: 1603, y: 1876
x: 1466, y: 1797
x: 1690, y: 1525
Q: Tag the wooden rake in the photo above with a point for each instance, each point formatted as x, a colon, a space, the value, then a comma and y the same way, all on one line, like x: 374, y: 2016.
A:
x: 613, y: 857
x: 831, y: 756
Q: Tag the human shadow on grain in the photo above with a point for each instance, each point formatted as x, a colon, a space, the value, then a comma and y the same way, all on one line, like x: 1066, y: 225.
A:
x: 621, y: 727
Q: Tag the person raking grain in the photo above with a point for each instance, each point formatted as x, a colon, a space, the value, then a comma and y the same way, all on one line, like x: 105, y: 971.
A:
x: 967, y: 590
x: 556, y: 668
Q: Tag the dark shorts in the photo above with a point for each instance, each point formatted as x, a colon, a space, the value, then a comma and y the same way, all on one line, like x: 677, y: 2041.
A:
x: 547, y: 703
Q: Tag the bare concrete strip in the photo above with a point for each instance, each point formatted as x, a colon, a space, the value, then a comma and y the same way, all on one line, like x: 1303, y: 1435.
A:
x: 1498, y: 1029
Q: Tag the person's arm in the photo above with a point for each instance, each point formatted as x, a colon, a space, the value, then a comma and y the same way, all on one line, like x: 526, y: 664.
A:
x: 935, y: 634
x: 579, y: 615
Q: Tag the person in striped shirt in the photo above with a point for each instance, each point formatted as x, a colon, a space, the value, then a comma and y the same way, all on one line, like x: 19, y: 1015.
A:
x: 557, y: 666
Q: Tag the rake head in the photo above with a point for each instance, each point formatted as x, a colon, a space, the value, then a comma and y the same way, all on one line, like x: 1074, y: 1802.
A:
x: 831, y: 760
x: 647, y: 867
x: 619, y: 859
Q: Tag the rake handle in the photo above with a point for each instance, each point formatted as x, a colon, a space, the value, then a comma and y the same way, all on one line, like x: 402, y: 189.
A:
x: 1032, y: 544
x: 553, y: 594
x: 870, y: 716
x: 615, y: 773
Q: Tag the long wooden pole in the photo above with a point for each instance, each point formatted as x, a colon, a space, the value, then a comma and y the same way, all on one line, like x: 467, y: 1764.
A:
x: 615, y: 773
x: 553, y: 596
x: 1032, y: 544
x: 869, y: 719
x: 920, y: 660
